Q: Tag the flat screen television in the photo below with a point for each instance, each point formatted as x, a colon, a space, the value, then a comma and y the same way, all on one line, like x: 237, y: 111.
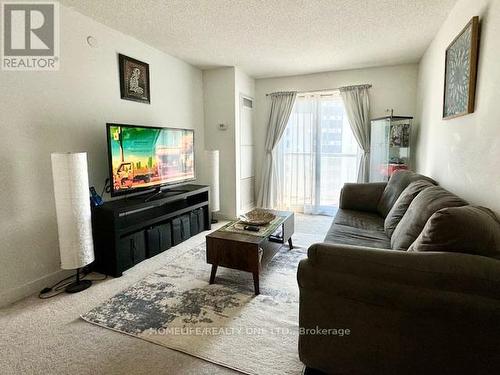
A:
x: 146, y: 157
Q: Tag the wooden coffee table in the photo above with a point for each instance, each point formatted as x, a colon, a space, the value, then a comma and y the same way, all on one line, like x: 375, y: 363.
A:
x: 240, y: 251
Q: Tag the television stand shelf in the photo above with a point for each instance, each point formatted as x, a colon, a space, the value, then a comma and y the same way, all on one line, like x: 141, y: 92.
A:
x: 126, y: 231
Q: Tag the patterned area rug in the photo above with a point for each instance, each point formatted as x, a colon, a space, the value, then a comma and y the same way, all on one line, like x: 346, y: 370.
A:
x: 224, y: 323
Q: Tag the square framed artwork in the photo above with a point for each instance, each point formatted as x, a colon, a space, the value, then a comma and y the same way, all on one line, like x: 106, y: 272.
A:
x: 134, y: 79
x: 461, y: 71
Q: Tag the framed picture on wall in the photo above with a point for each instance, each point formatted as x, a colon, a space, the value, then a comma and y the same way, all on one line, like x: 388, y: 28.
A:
x: 134, y: 79
x: 461, y: 71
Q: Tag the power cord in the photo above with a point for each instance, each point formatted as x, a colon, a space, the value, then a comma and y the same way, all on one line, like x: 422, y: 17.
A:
x: 61, y: 285
x: 107, y: 187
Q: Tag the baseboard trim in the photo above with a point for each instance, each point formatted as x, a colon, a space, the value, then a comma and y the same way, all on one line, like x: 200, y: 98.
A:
x: 15, y: 294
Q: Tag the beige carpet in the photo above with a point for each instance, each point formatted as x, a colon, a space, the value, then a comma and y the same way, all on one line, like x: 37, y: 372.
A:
x: 48, y: 337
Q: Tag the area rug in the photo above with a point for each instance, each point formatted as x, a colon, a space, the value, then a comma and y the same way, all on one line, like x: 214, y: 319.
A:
x: 224, y: 323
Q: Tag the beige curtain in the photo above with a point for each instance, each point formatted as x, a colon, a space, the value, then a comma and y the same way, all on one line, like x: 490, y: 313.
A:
x: 357, y: 106
x: 281, y: 107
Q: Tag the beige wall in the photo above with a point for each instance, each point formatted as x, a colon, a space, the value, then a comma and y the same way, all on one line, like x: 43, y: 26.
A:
x: 463, y: 154
x: 43, y: 112
x: 219, y: 107
x: 393, y: 87
x: 222, y: 88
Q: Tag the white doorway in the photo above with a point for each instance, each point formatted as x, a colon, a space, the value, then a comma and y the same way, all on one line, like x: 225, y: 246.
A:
x: 246, y: 146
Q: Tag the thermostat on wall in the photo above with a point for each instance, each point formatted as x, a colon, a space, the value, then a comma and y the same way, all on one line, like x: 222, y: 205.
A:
x: 222, y: 126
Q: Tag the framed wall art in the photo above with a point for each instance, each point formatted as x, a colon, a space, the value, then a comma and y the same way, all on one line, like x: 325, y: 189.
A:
x: 134, y: 79
x: 461, y: 71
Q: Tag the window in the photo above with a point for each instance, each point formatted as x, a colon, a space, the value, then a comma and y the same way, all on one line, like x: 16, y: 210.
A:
x: 316, y: 155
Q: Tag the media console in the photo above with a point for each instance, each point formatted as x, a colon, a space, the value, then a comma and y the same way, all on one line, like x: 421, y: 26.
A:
x: 126, y: 231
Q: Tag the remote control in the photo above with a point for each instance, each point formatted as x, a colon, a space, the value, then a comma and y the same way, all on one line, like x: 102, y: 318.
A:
x: 251, y: 228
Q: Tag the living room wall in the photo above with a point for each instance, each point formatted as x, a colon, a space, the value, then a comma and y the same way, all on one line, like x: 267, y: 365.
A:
x: 67, y: 110
x: 393, y: 87
x: 222, y: 88
x: 462, y: 154
x: 219, y: 93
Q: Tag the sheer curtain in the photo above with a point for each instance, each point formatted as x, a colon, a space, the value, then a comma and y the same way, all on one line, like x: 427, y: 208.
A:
x: 281, y: 107
x: 357, y: 104
x: 316, y: 155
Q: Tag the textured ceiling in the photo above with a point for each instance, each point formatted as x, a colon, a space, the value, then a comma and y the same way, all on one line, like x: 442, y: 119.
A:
x: 278, y: 37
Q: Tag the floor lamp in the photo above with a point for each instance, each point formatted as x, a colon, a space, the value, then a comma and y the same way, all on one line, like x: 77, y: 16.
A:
x: 74, y: 226
x: 212, y: 158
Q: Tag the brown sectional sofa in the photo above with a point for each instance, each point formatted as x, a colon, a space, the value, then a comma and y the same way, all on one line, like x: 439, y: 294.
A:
x: 412, y: 271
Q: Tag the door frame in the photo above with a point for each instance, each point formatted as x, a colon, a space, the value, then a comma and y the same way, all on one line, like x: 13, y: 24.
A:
x: 242, y: 97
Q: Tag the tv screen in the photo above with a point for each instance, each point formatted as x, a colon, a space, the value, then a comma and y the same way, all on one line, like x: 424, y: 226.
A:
x: 143, y: 157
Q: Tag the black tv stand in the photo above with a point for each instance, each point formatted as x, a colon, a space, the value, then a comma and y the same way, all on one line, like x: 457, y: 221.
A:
x: 123, y: 229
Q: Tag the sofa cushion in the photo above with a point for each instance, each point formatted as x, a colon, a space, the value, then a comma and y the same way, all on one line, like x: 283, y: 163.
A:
x: 421, y: 209
x: 347, y: 235
x: 361, y: 197
x: 402, y: 203
x: 359, y: 228
x: 359, y: 219
x: 466, y: 229
x: 397, y: 183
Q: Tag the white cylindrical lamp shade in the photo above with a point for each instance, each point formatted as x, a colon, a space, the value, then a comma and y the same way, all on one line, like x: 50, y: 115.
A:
x: 74, y: 224
x: 212, y: 159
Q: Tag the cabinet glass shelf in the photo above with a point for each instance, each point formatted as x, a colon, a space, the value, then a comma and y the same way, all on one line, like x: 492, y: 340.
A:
x: 390, y: 146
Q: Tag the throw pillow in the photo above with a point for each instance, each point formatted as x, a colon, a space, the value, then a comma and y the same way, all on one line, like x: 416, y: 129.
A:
x: 402, y: 203
x: 467, y: 229
x: 397, y: 183
x: 421, y: 209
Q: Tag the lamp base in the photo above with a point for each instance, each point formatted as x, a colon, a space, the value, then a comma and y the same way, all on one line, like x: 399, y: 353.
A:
x: 78, y: 286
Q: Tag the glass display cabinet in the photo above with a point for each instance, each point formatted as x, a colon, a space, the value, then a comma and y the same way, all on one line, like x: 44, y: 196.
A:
x: 390, y: 146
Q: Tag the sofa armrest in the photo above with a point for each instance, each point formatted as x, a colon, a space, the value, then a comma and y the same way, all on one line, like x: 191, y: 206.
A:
x: 444, y: 271
x: 399, y: 307
x: 361, y: 197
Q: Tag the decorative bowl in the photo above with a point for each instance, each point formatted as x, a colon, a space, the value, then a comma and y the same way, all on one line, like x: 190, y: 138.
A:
x: 257, y: 216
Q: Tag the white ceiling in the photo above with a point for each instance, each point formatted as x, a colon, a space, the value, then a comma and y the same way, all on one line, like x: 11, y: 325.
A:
x: 278, y: 37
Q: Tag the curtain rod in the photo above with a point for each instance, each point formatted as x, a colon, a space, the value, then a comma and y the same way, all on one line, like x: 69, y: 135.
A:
x: 320, y: 90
